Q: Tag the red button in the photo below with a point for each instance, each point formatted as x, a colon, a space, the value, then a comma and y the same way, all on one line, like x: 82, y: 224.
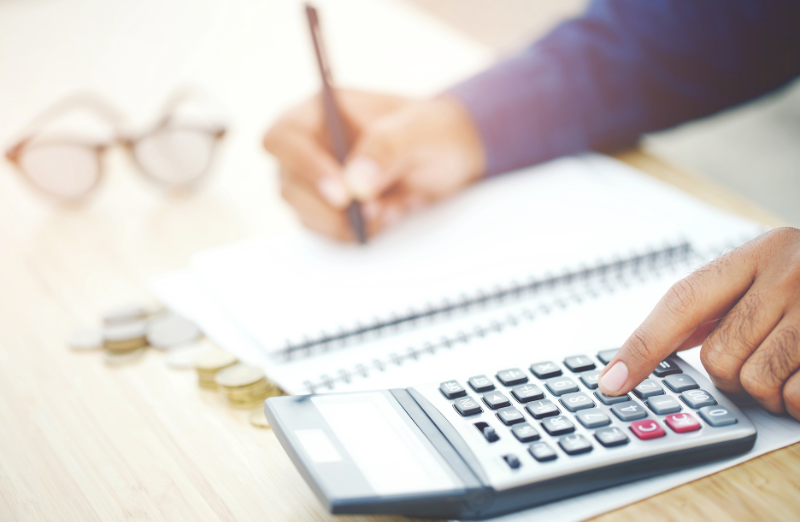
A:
x: 647, y: 429
x: 682, y: 422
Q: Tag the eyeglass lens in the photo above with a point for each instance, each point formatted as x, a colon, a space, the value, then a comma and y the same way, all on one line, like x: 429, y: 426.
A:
x: 64, y: 170
x: 175, y: 156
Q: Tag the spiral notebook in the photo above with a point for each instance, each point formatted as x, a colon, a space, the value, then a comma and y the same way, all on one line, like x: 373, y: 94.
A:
x: 563, y: 258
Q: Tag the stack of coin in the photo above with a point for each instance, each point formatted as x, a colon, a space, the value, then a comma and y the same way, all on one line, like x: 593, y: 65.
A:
x: 245, y: 386
x: 208, y: 363
x: 124, y: 329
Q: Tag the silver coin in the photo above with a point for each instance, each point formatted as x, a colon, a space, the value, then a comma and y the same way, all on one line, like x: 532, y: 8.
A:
x: 183, y: 356
x: 116, y: 359
x: 124, y: 312
x: 125, y: 331
x: 86, y: 339
x: 172, y: 330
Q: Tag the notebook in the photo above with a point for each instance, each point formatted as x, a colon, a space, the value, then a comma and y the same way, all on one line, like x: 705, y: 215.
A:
x: 505, y: 269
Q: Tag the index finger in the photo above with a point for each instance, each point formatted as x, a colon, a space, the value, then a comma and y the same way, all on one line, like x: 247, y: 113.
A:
x: 703, y: 296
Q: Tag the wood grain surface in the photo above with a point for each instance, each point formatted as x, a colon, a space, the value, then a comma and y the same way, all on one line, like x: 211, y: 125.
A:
x: 82, y: 441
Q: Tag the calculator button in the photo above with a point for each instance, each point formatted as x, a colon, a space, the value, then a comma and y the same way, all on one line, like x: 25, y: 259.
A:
x: 647, y: 429
x: 527, y: 393
x: 666, y: 367
x: 467, y: 406
x: 680, y: 383
x: 542, y: 452
x: 452, y: 390
x: 648, y: 388
x: 605, y: 356
x: 664, y: 404
x: 512, y: 377
x: 561, y: 385
x: 512, y: 461
x: 579, y: 363
x: 608, y: 400
x: 593, y: 418
x: 496, y: 400
x: 610, y: 437
x: 576, y: 401
x: 717, y: 416
x: 542, y: 409
x: 525, y: 432
x: 481, y: 384
x: 575, y: 444
x: 697, y: 399
x: 558, y: 425
x: 490, y: 434
x: 509, y: 416
x: 682, y: 422
x: 629, y: 411
x: 589, y: 379
x: 545, y: 370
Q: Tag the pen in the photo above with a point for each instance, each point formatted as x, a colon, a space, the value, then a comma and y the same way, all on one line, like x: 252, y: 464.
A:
x: 337, y: 132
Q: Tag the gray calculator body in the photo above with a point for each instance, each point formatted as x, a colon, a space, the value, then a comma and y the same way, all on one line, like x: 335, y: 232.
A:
x: 438, y: 451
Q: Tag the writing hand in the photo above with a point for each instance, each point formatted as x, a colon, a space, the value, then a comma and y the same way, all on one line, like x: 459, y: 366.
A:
x: 406, y: 153
x: 744, y: 308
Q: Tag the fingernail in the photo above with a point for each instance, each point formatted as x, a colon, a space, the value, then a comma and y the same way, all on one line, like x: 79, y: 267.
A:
x: 362, y: 175
x: 612, y: 382
x: 334, y: 191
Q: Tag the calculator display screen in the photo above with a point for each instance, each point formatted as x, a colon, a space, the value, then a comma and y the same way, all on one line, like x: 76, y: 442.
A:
x: 389, y: 453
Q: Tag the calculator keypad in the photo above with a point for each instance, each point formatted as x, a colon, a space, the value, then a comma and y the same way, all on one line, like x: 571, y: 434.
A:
x: 556, y: 412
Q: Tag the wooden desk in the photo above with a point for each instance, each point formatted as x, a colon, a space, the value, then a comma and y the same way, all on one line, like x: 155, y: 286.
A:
x: 83, y: 441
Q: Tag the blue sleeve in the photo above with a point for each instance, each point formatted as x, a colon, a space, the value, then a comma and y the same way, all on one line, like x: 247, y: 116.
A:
x: 627, y: 67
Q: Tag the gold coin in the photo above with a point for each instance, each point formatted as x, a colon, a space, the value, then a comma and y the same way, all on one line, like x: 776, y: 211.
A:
x: 116, y: 359
x: 124, y: 313
x: 86, y: 339
x: 184, y: 355
x: 207, y: 385
x: 258, y: 419
x: 213, y: 360
x: 245, y: 405
x: 239, y: 375
x: 125, y: 346
x: 262, y: 387
x: 123, y: 332
x: 171, y: 330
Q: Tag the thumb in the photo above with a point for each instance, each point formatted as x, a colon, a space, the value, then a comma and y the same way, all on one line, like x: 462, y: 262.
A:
x: 372, y: 166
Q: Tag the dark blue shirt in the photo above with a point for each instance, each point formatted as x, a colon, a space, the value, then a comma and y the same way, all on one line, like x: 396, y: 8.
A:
x: 627, y: 67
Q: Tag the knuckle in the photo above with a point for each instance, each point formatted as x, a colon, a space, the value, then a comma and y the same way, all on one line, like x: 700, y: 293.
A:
x: 791, y: 397
x: 682, y: 297
x: 640, y: 347
x: 716, y: 359
x: 755, y: 381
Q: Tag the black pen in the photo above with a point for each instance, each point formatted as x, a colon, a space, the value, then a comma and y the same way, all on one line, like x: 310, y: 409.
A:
x: 340, y: 138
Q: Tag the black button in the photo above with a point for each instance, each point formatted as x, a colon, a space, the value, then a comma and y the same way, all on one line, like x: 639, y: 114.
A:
x: 452, y: 389
x: 496, y: 400
x: 542, y: 452
x: 527, y: 393
x: 605, y: 356
x: 481, y: 383
x: 512, y: 376
x: 512, y: 461
x: 525, y: 432
x: 542, y: 409
x: 545, y: 370
x: 490, y: 434
x: 579, y: 363
x: 509, y: 416
x: 467, y: 406
x: 666, y: 367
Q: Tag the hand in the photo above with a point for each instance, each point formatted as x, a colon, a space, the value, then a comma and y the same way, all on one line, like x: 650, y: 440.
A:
x: 744, y: 308
x: 406, y: 153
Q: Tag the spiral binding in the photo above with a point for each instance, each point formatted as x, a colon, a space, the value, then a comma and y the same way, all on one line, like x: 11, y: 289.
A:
x: 584, y: 283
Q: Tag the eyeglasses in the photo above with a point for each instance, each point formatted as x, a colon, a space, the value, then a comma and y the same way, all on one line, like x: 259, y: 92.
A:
x: 174, y: 152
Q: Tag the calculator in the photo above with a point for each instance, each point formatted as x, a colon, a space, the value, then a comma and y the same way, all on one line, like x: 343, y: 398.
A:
x: 477, y: 446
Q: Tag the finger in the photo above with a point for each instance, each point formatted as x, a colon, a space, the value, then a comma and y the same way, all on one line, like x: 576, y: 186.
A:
x: 695, y: 300
x: 739, y: 333
x: 372, y: 168
x: 699, y: 335
x: 314, y: 212
x: 765, y: 372
x: 302, y: 155
x: 791, y: 395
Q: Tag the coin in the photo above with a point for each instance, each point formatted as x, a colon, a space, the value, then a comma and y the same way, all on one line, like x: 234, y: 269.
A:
x: 211, y: 361
x: 239, y: 375
x: 116, y: 359
x: 245, y: 405
x: 125, y: 336
x: 123, y: 313
x: 183, y: 356
x: 171, y: 330
x: 259, y: 419
x: 86, y: 339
